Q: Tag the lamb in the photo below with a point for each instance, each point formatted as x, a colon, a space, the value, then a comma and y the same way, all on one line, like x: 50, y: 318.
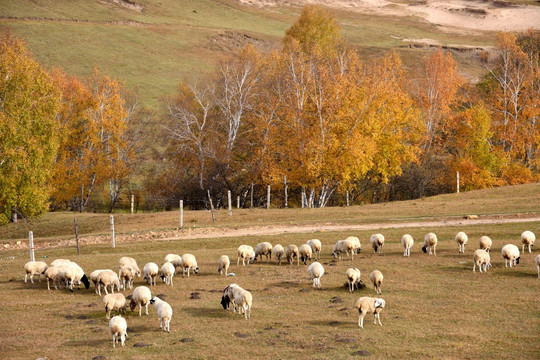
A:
x: 126, y: 274
x: 116, y: 302
x: 129, y: 262
x: 377, y: 242
x: 510, y: 252
x: 343, y: 246
x: 118, y: 328
x: 141, y: 296
x: 316, y: 247
x: 367, y: 305
x: 430, y: 241
x: 164, y: 311
x: 93, y: 278
x: 316, y: 271
x: 34, y: 267
x: 537, y: 261
x: 174, y: 259
x: 245, y: 252
x: 527, y: 238
x: 481, y: 259
x: 239, y: 298
x: 151, y: 271
x: 223, y: 265
x: 278, y: 253
x: 305, y: 253
x: 407, y: 243
x: 356, y: 244
x: 167, y: 273
x: 189, y: 263
x: 353, y: 278
x: 461, y: 239
x: 264, y: 248
x: 485, y: 243
x: 291, y: 252
x: 107, y: 278
x: 376, y: 278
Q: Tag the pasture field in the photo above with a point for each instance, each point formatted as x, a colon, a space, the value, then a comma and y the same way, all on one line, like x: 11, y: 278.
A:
x: 436, y: 307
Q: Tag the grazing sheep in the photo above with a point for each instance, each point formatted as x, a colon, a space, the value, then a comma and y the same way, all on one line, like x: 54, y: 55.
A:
x: 245, y: 252
x: 305, y: 253
x: 58, y: 262
x: 264, y: 248
x: 129, y: 262
x: 118, y: 328
x: 174, y: 259
x: 164, y: 311
x: 353, y: 279
x: 343, y: 246
x: 461, y: 239
x: 223, y: 265
x: 377, y: 242
x: 34, y: 267
x: 189, y: 263
x: 537, y: 261
x: 126, y: 275
x: 141, y: 296
x: 167, y: 273
x: 481, y: 259
x: 356, y: 244
x: 94, y: 278
x: 371, y: 305
x: 376, y: 278
x: 407, y: 243
x: 430, y: 241
x: 116, y: 302
x: 278, y: 253
x: 527, y: 238
x: 73, y: 273
x: 316, y: 271
x: 316, y: 247
x: 53, y: 274
x: 151, y: 271
x: 485, y: 243
x: 510, y: 252
x: 240, y: 298
x: 108, y: 278
x: 291, y: 252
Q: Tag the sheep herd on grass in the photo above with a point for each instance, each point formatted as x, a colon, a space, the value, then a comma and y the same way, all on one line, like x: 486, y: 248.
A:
x: 63, y: 272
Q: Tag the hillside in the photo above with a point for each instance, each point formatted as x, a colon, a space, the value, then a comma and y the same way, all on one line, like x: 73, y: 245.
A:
x: 152, y: 44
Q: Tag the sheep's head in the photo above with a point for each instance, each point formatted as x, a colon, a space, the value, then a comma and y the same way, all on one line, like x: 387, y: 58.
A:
x: 225, y: 301
x: 517, y: 261
x: 153, y: 300
x: 196, y: 270
x: 162, y: 277
x: 424, y: 249
x: 148, y: 279
x: 335, y: 254
x: 379, y: 303
x: 132, y: 303
x: 85, y: 281
x: 375, y: 247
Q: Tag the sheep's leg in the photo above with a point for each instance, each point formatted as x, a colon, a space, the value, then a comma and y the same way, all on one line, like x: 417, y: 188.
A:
x: 114, y: 341
x: 379, y: 318
x: 105, y: 287
x: 237, y: 261
x: 140, y: 309
x: 146, y: 308
x: 99, y: 288
x: 48, y: 287
x: 361, y: 319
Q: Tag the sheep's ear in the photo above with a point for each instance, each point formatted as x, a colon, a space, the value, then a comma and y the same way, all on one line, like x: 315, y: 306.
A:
x: 161, y: 296
x: 129, y: 297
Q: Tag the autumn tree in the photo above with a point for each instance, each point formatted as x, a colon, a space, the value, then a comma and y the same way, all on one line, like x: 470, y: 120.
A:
x: 29, y: 101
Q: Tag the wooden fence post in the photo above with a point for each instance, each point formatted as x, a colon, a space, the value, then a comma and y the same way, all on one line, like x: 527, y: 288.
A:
x: 181, y: 214
x: 31, y: 245
x: 347, y: 197
x: 229, y: 202
x: 238, y: 202
x: 251, y: 204
x: 112, y: 232
x: 132, y: 203
x: 285, y: 190
x: 268, y: 198
x: 211, y: 208
x: 303, y: 197
x: 77, y: 236
x: 457, y: 182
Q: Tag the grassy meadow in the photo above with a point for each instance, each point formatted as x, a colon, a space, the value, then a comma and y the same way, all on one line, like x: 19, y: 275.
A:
x: 436, y: 307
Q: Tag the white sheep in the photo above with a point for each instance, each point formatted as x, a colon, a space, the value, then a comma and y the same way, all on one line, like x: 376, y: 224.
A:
x: 369, y: 305
x: 264, y: 248
x: 118, y: 329
x: 116, y: 302
x: 485, y: 243
x: 461, y: 238
x: 537, y: 261
x: 60, y: 262
x: 356, y: 244
x: 305, y: 253
x: 245, y: 252
x: 167, y: 273
x: 343, y: 246
x: 151, y: 271
x: 407, y: 243
x: 316, y: 271
x: 353, y: 278
x: 241, y: 299
x: 126, y: 275
x: 527, y: 238
x: 510, y: 252
x: 377, y: 242
x: 291, y: 252
x: 376, y: 278
x: 223, y: 265
x: 481, y: 259
x: 73, y: 273
x: 278, y: 253
x: 34, y: 267
x: 94, y: 278
x: 129, y: 262
x: 174, y: 259
x: 316, y: 247
x: 108, y: 278
x: 141, y: 296
x: 53, y: 274
x: 430, y: 241
x: 165, y: 313
x: 189, y: 263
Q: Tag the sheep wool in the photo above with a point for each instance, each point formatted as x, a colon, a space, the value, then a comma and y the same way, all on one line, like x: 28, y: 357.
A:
x: 118, y: 329
x: 151, y: 271
x: 481, y: 259
x: 461, y: 239
x: 291, y: 252
x: 223, y: 265
x: 141, y: 296
x: 485, y: 243
x: 341, y: 247
x: 369, y: 305
x: 537, y: 262
x: 32, y: 268
x: 164, y: 311
x: 128, y: 261
x: 264, y: 248
x: 376, y: 278
x: 377, y: 242
x: 407, y: 243
x: 167, y: 273
x: 278, y: 253
x: 316, y: 247
x: 189, y: 262
x: 305, y: 253
x: 116, y: 302
x: 245, y: 252
x: 527, y: 239
x: 353, y: 278
x: 510, y: 253
x: 316, y: 271
x: 430, y: 241
x: 356, y: 244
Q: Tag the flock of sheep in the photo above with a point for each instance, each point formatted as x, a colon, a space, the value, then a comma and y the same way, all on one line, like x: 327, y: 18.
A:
x: 62, y: 272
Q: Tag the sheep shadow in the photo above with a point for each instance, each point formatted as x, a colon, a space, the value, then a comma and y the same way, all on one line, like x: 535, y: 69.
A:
x: 518, y: 274
x: 207, y: 312
x: 286, y: 284
x: 93, y: 343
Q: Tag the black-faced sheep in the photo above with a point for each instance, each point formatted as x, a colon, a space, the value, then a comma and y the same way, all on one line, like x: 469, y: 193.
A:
x: 510, y: 252
x: 165, y: 313
x: 430, y: 241
x: 377, y: 242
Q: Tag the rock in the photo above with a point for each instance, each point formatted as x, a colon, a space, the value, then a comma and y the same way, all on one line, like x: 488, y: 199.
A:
x: 92, y: 304
x: 195, y: 295
x: 99, y: 357
x: 346, y: 340
x: 336, y: 300
x: 186, y: 340
x: 19, y: 242
x: 305, y: 290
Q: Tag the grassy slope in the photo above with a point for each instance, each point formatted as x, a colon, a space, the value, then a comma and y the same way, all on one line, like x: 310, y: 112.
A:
x: 436, y: 306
